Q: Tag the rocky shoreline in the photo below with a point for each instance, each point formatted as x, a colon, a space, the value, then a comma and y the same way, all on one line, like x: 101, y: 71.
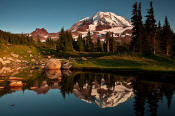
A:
x: 12, y: 64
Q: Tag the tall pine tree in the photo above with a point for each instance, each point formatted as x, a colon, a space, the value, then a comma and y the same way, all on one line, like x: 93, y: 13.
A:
x: 88, y: 42
x: 158, y: 37
x: 65, y: 42
x: 134, y: 18
x: 166, y: 40
x: 98, y: 46
x: 150, y: 26
x: 80, y: 43
x: 68, y: 41
x: 61, y: 42
x: 139, y: 43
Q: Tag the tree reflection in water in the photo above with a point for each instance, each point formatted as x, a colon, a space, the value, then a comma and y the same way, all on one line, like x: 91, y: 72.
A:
x: 102, y: 89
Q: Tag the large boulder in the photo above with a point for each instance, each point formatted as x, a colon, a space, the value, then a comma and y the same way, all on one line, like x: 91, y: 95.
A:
x: 53, y: 64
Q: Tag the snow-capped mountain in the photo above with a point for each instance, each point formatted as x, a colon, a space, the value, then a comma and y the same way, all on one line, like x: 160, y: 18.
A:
x: 104, y: 96
x: 101, y: 23
x: 98, y: 24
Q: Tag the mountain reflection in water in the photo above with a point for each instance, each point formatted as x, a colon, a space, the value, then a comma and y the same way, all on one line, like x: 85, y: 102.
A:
x: 103, y: 89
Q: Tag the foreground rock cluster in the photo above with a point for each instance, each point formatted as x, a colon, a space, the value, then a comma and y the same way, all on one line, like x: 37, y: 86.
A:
x: 12, y: 60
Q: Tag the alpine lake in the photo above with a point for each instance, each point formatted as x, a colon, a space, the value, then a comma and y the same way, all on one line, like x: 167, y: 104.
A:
x: 87, y: 93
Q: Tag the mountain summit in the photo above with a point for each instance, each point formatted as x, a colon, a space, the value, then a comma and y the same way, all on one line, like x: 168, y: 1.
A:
x: 101, y: 23
x: 43, y: 35
x: 98, y: 24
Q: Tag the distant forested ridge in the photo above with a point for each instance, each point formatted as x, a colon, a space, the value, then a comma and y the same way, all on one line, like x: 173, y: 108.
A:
x: 17, y: 39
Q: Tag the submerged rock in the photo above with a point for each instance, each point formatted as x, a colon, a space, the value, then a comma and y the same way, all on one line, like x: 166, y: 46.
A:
x: 53, y: 64
x: 53, y: 74
x: 33, y: 88
x: 15, y: 78
x: 1, y: 81
x: 2, y: 87
x: 84, y: 59
x: 16, y: 84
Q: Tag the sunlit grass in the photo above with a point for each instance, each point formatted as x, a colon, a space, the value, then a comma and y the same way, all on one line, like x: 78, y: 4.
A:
x: 21, y: 50
x: 155, y: 63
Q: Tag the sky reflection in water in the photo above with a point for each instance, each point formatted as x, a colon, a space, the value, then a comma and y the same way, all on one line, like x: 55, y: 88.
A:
x: 86, y: 93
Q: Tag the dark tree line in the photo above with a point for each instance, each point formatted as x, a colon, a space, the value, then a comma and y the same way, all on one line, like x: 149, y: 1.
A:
x: 87, y: 44
x: 50, y: 43
x: 65, y: 42
x: 151, y: 94
x: 148, y: 38
x: 17, y: 39
x: 145, y: 93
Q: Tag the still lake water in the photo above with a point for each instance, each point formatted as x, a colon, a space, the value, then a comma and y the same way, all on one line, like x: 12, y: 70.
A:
x: 65, y: 93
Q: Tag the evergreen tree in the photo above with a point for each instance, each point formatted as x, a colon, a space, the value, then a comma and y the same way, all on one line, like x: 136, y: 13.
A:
x: 166, y: 39
x: 150, y: 26
x: 38, y: 41
x: 139, y: 43
x: 89, y: 44
x: 104, y: 46
x: 113, y: 44
x: 80, y: 43
x: 169, y: 36
x: 158, y: 37
x: 98, y: 46
x: 75, y: 45
x: 65, y: 42
x: 50, y: 43
x: 134, y: 19
x: 68, y: 41
x: 173, y: 46
x: 142, y: 35
x: 61, y: 42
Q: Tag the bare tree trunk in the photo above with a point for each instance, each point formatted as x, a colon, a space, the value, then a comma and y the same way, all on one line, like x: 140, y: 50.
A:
x: 154, y: 45
x: 108, y: 49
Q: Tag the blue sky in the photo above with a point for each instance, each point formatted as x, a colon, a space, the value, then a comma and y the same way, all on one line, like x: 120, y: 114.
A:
x: 19, y: 16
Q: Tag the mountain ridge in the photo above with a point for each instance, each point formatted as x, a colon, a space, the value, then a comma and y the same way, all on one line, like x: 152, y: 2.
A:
x: 98, y: 24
